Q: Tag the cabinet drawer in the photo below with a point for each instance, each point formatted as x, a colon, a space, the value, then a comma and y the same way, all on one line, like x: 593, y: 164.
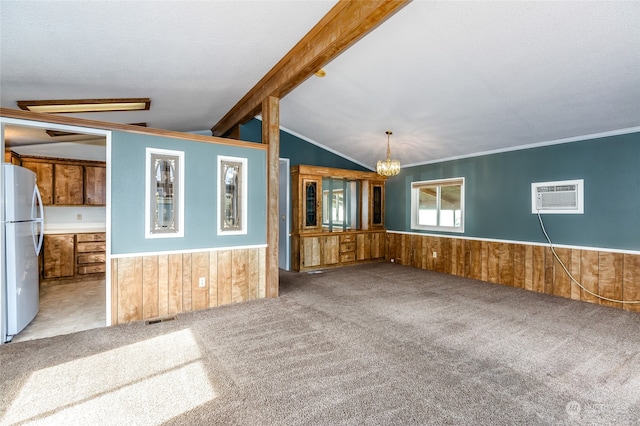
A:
x: 91, y: 247
x: 99, y: 236
x: 347, y: 238
x: 91, y: 258
x: 348, y: 247
x: 347, y: 257
x: 91, y: 269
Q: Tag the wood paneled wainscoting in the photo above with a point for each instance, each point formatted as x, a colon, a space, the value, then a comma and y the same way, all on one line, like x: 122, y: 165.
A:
x: 530, y: 267
x: 156, y: 286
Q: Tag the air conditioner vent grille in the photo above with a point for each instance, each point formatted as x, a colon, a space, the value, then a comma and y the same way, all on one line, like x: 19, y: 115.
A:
x: 557, y: 197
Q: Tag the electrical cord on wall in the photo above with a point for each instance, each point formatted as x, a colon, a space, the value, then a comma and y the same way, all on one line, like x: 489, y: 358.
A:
x: 569, y: 273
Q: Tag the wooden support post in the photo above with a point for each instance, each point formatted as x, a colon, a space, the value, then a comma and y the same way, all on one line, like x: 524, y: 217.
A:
x: 271, y: 137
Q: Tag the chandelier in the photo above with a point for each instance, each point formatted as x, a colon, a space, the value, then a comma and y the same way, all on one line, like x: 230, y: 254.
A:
x: 388, y: 167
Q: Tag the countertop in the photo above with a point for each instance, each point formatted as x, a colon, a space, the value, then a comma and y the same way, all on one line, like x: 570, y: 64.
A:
x: 73, y: 228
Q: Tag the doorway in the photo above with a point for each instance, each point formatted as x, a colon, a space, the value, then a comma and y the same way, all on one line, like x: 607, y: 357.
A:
x: 284, y: 229
x: 74, y: 305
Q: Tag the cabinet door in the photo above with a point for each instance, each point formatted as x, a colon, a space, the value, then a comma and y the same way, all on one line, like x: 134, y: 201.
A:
x: 310, y: 251
x: 59, y: 256
x: 68, y: 184
x: 363, y: 247
x: 376, y: 207
x: 95, y: 185
x: 311, y: 199
x: 44, y: 179
x: 331, y: 249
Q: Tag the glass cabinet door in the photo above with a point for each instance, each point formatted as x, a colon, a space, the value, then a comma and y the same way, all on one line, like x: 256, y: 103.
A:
x: 310, y: 197
x: 377, y: 205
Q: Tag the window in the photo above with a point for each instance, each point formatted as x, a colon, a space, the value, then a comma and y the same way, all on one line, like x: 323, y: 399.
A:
x: 232, y: 205
x: 438, y: 205
x: 164, y: 200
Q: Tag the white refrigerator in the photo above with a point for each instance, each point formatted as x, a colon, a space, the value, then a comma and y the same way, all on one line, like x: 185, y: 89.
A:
x: 24, y: 225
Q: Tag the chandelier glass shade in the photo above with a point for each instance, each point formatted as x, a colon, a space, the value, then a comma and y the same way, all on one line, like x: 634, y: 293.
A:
x: 388, y: 167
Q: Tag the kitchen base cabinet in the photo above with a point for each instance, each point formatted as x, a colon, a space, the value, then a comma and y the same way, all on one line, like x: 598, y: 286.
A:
x: 58, y: 256
x: 73, y: 257
x: 91, y: 253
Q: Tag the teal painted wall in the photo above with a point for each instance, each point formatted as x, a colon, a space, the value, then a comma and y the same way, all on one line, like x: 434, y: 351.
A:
x: 128, y: 153
x: 297, y: 150
x: 498, y: 193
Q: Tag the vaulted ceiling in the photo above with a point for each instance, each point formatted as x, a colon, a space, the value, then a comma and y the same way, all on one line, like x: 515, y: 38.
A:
x: 448, y: 78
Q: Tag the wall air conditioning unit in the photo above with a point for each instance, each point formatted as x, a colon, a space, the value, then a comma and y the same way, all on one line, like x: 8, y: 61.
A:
x: 560, y: 197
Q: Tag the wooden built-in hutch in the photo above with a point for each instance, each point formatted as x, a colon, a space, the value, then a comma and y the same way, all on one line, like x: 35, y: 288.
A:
x: 338, y: 217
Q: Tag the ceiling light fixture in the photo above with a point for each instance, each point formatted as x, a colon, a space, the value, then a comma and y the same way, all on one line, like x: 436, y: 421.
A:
x: 86, y: 105
x: 388, y: 167
x: 60, y: 133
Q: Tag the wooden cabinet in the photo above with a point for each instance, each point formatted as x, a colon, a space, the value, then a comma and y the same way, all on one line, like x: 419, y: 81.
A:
x: 363, y: 246
x: 58, y: 256
x: 68, y: 185
x: 306, y: 196
x: 11, y: 157
x: 44, y: 178
x: 331, y: 249
x: 95, y: 185
x: 338, y: 249
x: 310, y: 252
x: 74, y: 257
x: 348, y: 248
x: 91, y: 253
x: 337, y: 217
x: 66, y: 182
x: 376, y: 205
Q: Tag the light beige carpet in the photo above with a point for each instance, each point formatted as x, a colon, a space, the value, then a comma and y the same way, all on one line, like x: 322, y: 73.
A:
x: 373, y: 344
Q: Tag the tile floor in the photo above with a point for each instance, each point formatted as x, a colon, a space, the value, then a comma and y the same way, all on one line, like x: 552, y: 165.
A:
x: 67, y: 308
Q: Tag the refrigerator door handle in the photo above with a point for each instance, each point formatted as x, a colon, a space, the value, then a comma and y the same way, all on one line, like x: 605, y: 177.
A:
x: 37, y: 210
x: 37, y: 214
x: 37, y: 234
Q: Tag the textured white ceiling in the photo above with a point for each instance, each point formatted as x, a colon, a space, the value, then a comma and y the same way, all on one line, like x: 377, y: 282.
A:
x: 455, y: 78
x: 448, y: 78
x: 194, y: 59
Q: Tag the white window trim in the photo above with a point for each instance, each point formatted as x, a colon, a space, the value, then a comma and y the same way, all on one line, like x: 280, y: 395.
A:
x: 415, y: 188
x: 243, y: 195
x: 147, y: 195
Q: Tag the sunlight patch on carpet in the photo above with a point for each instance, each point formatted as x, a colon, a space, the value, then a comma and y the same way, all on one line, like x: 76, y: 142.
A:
x: 145, y: 383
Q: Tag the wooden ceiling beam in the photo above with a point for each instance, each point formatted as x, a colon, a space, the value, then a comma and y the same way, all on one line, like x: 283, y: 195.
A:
x: 341, y: 27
